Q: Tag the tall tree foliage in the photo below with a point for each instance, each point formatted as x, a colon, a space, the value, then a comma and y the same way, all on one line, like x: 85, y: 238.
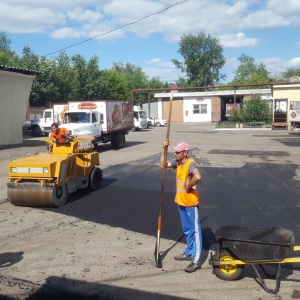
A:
x: 132, y: 75
x: 93, y: 83
x: 6, y: 55
x: 248, y: 72
x: 65, y: 78
x: 292, y: 72
x: 46, y: 88
x: 4, y: 42
x: 202, y: 59
x: 113, y: 85
x: 135, y: 78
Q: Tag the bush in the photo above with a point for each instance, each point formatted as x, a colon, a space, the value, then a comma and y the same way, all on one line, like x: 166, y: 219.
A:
x: 253, y: 110
x: 236, y: 115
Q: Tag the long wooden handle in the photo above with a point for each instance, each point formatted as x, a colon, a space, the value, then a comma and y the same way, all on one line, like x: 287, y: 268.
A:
x: 165, y: 162
x: 159, y: 221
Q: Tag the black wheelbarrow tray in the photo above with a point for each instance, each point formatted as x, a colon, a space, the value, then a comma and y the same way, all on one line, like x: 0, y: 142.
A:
x: 238, y: 246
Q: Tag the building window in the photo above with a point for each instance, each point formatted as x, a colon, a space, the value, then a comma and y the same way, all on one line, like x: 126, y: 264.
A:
x: 200, y: 109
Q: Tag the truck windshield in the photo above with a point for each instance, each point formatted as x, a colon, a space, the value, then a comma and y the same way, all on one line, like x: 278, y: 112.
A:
x: 142, y: 114
x: 77, y: 117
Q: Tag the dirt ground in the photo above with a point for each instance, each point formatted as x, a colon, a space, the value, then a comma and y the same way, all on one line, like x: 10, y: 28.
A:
x: 59, y: 254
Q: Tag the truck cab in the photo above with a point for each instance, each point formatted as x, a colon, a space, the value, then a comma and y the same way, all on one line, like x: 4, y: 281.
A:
x: 42, y: 126
x: 83, y: 122
x: 140, y: 118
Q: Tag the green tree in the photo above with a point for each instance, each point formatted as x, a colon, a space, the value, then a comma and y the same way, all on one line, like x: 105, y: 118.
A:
x: 65, y: 78
x: 291, y: 73
x: 114, y: 86
x: 250, y: 72
x: 94, y: 85
x: 133, y: 76
x: 5, y: 58
x: 155, y: 82
x: 45, y: 88
x: 182, y: 82
x: 4, y: 42
x: 202, y: 59
x: 41, y: 86
x: 255, y: 109
x: 29, y: 59
x: 79, y: 71
x: 6, y: 55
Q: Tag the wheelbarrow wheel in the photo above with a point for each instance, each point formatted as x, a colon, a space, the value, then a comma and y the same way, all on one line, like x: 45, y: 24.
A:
x: 227, y: 272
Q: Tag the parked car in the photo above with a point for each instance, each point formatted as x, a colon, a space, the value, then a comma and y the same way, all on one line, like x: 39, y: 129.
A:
x: 156, y: 121
x: 26, y: 125
x: 149, y: 123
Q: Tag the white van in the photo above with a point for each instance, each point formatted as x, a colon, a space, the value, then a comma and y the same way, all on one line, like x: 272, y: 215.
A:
x: 140, y: 118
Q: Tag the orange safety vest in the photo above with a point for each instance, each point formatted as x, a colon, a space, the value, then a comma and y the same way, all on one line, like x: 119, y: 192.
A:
x: 57, y: 136
x: 182, y: 197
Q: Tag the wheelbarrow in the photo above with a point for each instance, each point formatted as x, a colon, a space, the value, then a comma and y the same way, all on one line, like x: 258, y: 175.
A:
x: 239, y: 246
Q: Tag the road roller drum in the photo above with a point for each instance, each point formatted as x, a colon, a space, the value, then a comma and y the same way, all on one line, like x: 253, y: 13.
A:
x: 46, y: 179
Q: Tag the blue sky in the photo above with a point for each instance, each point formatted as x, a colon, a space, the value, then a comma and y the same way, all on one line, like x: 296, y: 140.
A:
x: 268, y: 31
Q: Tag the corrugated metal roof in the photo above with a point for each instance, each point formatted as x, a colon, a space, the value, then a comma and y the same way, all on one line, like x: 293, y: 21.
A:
x: 19, y: 70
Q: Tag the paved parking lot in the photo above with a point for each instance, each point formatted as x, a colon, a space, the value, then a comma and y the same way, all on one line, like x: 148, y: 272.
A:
x: 100, y: 245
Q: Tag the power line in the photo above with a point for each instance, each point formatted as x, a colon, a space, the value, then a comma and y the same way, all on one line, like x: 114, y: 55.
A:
x: 115, y: 29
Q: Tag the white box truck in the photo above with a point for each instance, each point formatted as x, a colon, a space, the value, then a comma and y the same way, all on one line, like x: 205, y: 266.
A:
x: 55, y: 114
x: 105, y: 120
x: 140, y: 118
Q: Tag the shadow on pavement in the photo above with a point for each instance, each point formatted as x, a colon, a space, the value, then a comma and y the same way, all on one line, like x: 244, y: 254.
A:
x: 61, y: 288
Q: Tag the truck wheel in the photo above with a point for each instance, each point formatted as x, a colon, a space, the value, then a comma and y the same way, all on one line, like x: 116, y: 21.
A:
x: 157, y: 124
x: 95, y: 181
x: 227, y: 272
x: 118, y: 140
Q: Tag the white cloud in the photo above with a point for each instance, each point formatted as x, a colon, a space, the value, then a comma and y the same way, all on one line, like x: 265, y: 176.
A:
x: 66, y: 33
x: 218, y: 18
x: 165, y: 70
x: 264, y: 19
x: 286, y: 8
x: 277, y: 65
x: 154, y: 61
x: 237, y: 40
x: 164, y: 74
x: 238, y: 23
x: 160, y: 63
x: 295, y: 62
x: 85, y: 15
x: 24, y: 19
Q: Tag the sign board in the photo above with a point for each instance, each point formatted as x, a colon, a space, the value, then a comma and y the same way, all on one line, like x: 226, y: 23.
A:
x: 230, y: 108
x: 294, y: 111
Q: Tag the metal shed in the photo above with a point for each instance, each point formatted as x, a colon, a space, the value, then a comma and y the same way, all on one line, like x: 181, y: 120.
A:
x: 15, y: 87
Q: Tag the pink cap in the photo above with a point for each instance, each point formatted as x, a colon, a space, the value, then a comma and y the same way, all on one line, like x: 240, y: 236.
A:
x: 181, y: 147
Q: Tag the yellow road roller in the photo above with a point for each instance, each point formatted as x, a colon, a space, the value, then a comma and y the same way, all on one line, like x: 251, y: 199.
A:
x: 46, y: 179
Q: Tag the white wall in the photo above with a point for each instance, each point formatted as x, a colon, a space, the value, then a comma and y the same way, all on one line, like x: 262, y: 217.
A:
x: 153, y: 108
x: 14, y: 96
x: 189, y: 116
